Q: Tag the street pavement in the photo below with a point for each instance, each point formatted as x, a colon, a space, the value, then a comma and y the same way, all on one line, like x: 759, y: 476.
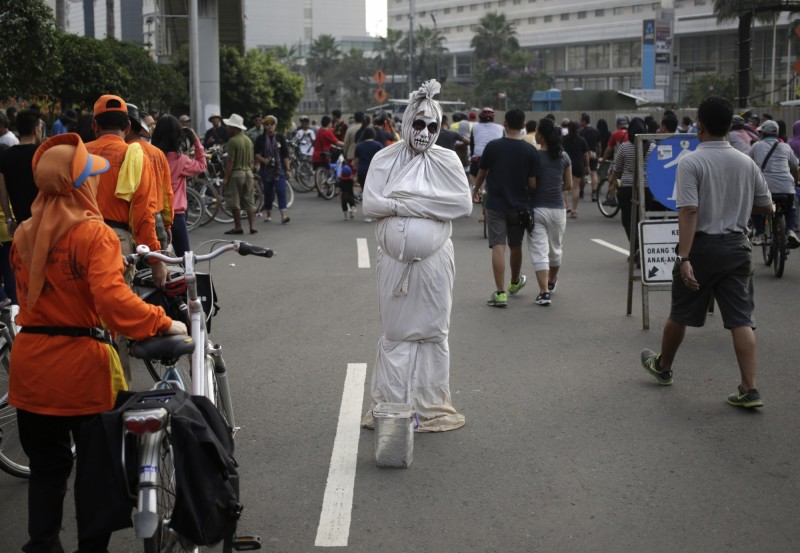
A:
x: 569, y: 445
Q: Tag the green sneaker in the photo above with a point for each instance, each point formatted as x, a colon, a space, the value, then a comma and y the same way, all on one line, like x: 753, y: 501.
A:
x: 749, y: 399
x: 650, y: 362
x: 498, y: 299
x: 514, y: 287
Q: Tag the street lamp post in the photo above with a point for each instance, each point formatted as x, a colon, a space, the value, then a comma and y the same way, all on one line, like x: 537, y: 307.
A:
x: 410, y: 46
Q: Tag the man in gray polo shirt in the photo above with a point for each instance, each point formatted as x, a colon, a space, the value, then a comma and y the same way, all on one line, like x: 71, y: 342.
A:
x: 717, y: 189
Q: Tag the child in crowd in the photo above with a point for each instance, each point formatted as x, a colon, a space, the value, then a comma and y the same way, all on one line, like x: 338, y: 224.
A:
x: 348, y: 200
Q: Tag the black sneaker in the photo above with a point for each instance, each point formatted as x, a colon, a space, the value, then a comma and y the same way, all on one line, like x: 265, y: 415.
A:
x: 611, y: 202
x: 543, y: 299
x: 749, y: 399
x: 651, y: 363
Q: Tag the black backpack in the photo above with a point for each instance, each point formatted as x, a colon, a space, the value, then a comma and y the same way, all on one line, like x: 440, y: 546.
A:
x: 207, y: 506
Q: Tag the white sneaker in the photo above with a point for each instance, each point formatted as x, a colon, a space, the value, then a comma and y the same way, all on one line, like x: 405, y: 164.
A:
x: 758, y: 239
x: 353, y: 212
x: 792, y: 239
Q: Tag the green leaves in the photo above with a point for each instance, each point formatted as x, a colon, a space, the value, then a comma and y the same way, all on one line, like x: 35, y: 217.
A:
x: 27, y: 43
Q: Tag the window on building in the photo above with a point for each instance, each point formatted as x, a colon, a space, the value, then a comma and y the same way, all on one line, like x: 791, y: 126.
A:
x: 473, y: 7
x: 564, y: 17
x: 699, y: 2
x: 548, y: 18
x: 459, y: 9
x: 599, y: 13
x: 398, y: 17
x: 597, y: 56
x: 531, y: 20
x: 576, y: 58
x: 581, y: 15
x: 636, y: 8
x: 501, y: 3
x: 307, y: 13
x: 619, y: 10
x: 517, y: 2
x: 460, y: 29
x: 447, y: 10
x: 487, y: 5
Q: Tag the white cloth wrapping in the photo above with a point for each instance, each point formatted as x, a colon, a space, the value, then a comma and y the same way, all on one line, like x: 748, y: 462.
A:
x: 415, y: 196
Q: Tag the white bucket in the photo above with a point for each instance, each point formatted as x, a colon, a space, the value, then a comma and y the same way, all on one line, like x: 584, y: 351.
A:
x: 394, y: 434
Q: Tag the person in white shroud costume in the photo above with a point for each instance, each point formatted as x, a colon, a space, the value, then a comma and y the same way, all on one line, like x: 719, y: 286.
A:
x: 415, y: 189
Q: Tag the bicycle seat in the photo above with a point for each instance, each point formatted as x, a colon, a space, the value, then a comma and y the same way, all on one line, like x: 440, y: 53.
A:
x: 162, y: 347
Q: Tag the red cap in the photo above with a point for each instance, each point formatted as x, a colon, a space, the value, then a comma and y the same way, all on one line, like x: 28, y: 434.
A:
x: 109, y: 102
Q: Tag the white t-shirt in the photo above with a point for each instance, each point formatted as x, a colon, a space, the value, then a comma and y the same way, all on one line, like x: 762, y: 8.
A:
x: 776, y: 171
x: 9, y: 139
x: 307, y: 137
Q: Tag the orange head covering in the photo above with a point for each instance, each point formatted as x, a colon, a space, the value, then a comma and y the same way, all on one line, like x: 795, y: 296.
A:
x: 61, y: 168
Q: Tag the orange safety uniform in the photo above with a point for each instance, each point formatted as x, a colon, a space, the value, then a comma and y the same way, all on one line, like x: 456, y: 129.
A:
x: 84, y: 287
x: 162, y: 177
x: 139, y: 214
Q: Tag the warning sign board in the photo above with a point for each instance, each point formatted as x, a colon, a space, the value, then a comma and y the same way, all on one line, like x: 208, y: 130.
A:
x: 658, y: 241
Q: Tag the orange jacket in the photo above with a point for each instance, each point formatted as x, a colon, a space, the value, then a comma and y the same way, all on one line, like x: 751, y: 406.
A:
x: 84, y: 287
x: 162, y: 176
x: 144, y: 204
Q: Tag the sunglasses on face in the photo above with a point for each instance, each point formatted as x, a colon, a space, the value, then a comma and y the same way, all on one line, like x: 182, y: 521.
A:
x: 269, y: 124
x: 419, y: 124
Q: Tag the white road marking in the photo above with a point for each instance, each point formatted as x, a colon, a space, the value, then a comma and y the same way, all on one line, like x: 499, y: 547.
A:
x: 363, y: 253
x: 623, y: 251
x: 334, y: 520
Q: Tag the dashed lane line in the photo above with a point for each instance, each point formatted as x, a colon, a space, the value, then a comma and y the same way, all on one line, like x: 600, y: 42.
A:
x: 610, y: 246
x: 334, y: 520
x: 363, y: 253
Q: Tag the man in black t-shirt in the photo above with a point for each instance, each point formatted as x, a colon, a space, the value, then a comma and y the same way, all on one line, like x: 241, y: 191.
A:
x: 592, y: 138
x: 448, y: 139
x: 17, y: 188
x: 509, y: 166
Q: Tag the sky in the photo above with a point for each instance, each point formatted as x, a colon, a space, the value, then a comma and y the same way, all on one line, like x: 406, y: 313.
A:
x: 376, y: 17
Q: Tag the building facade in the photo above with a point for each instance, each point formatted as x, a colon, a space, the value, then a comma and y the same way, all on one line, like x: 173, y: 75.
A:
x: 597, y: 44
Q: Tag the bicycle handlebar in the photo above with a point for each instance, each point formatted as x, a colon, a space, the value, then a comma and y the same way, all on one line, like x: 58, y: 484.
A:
x: 240, y: 246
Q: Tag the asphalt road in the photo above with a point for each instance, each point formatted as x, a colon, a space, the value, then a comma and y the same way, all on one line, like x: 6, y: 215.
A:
x: 569, y: 445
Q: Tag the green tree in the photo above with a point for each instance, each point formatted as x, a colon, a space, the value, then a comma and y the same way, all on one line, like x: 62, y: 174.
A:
x: 494, y: 36
x: 255, y: 83
x: 353, y: 76
x: 288, y: 56
x: 322, y: 63
x: 88, y: 71
x: 28, y: 44
x: 717, y: 84
x: 428, y: 56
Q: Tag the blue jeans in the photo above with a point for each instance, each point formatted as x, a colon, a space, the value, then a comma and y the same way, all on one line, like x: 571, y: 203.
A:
x: 272, y: 189
x: 180, y: 234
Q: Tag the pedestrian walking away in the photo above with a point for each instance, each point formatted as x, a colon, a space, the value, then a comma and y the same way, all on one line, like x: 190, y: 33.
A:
x: 549, y: 209
x: 415, y: 189
x: 717, y: 187
x: 509, y: 167
x: 238, y: 183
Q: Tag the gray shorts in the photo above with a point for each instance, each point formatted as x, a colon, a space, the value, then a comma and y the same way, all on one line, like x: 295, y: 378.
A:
x: 723, y: 265
x: 239, y: 191
x: 503, y: 226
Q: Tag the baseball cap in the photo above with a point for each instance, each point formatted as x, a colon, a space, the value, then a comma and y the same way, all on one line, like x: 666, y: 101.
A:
x: 271, y: 118
x: 565, y: 121
x: 622, y: 120
x: 109, y: 102
x: 769, y: 127
x: 303, y: 118
x: 347, y: 173
x: 184, y: 118
x: 63, y: 161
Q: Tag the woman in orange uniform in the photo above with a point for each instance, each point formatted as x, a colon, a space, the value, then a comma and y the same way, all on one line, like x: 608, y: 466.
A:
x: 64, y: 369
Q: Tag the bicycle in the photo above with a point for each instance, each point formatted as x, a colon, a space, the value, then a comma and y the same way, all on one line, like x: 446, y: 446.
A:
x: 775, y: 247
x: 301, y: 167
x: 12, y: 457
x: 606, y: 200
x: 150, y: 427
x: 327, y: 178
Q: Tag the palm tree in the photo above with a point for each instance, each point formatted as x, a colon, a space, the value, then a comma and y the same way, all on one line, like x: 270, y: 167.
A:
x: 494, y: 35
x: 287, y: 56
x: 745, y: 11
x: 390, y: 53
x: 322, y: 62
x: 429, y: 50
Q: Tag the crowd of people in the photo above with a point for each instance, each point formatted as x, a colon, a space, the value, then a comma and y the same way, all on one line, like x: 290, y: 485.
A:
x: 75, y: 203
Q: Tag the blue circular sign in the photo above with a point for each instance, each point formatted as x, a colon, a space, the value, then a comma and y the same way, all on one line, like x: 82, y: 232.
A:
x: 662, y: 165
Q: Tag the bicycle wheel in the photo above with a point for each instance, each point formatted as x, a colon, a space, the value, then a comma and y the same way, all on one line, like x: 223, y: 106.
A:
x: 305, y: 176
x: 211, y: 200
x: 289, y: 198
x: 780, y: 247
x: 165, y: 540
x: 325, y: 179
x: 766, y: 246
x: 603, y: 197
x: 12, y: 458
x: 258, y: 198
x: 194, y: 209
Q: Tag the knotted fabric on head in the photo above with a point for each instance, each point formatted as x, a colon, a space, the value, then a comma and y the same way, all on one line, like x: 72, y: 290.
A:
x: 61, y: 169
x: 422, y: 101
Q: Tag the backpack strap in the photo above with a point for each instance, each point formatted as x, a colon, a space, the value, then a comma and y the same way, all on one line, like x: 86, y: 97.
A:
x: 769, y: 155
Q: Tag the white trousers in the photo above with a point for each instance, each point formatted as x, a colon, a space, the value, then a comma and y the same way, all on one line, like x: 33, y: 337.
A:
x: 544, y: 243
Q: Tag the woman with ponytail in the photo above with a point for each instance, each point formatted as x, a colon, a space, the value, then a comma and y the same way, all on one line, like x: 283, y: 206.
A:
x: 549, y: 209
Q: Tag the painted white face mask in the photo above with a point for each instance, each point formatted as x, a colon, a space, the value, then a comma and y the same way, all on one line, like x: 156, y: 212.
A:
x: 423, y: 129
